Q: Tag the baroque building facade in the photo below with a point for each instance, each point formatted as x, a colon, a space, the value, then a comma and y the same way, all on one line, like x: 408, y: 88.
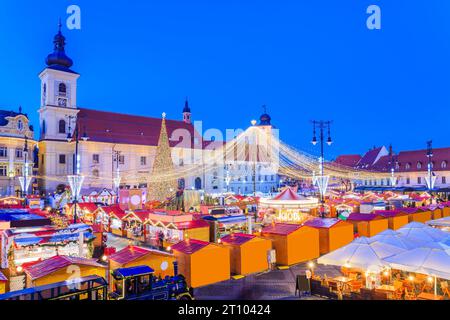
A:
x: 114, y: 144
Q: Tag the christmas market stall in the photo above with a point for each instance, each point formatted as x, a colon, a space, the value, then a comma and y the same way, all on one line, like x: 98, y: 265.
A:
x: 85, y: 211
x: 436, y: 211
x: 221, y: 225
x: 248, y: 253
x: 3, y: 282
x: 103, y: 215
x: 24, y: 245
x: 201, y: 262
x: 134, y: 224
x: 396, y: 218
x: 367, y: 224
x: 293, y: 243
x: 61, y: 268
x: 165, y: 228
x: 116, y: 223
x: 446, y: 209
x: 287, y: 206
x: 104, y: 196
x: 132, y: 256
x: 333, y: 233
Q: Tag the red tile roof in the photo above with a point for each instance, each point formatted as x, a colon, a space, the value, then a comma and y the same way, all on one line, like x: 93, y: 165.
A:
x: 48, y: 266
x: 369, y: 158
x: 281, y: 228
x: 440, y: 155
x: 190, y: 246
x: 132, y: 253
x: 349, y: 160
x: 111, y: 127
x: 237, y: 238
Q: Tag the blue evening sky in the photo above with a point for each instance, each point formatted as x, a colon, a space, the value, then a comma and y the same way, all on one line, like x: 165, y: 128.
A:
x: 304, y: 59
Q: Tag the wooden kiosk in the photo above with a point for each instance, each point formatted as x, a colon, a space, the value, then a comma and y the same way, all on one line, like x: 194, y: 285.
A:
x: 293, y: 243
x: 248, y: 253
x: 201, y: 262
x: 368, y: 224
x: 333, y: 233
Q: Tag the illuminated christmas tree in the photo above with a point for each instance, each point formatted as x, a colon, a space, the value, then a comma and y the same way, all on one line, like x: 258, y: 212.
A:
x: 162, y: 183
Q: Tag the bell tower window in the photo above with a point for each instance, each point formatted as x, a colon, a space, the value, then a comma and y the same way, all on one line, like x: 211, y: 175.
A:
x: 62, y: 90
x: 62, y: 126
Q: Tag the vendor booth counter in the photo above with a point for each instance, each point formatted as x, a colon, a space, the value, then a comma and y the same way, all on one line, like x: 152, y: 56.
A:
x: 248, y: 253
x: 293, y: 243
x: 333, y: 233
x: 201, y: 262
x: 367, y: 224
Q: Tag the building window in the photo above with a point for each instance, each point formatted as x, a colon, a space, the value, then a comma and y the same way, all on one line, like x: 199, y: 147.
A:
x: 42, y: 160
x: 62, y: 89
x: 121, y: 159
x: 3, y: 171
x: 144, y: 161
x: 96, y: 158
x: 443, y: 164
x: 419, y: 165
x: 19, y: 153
x: 407, y: 166
x: 20, y: 125
x: 444, y: 180
x: 419, y: 180
x: 3, y: 151
x: 407, y: 180
x: 62, y: 158
x: 96, y: 173
x: 62, y: 126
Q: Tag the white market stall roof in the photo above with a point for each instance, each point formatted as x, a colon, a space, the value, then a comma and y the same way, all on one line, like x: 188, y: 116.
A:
x: 397, y: 239
x: 420, y: 231
x: 288, y: 198
x: 429, y: 261
x: 361, y: 253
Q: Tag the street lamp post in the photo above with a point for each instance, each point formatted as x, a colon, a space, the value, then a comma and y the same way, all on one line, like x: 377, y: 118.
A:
x: 75, y: 180
x: 431, y: 178
x: 25, y: 169
x: 117, y: 179
x: 322, y: 180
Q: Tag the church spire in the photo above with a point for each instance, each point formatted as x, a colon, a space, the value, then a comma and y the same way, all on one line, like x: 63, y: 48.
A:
x: 187, y: 112
x: 58, y: 57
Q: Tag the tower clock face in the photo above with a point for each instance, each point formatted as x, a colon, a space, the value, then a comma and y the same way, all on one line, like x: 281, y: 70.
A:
x: 62, y: 102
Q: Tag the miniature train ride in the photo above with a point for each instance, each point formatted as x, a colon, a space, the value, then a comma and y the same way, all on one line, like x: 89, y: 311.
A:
x: 134, y: 283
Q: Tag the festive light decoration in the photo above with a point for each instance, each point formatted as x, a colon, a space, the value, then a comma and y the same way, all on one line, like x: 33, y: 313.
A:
x: 75, y: 183
x: 430, y: 180
x: 162, y: 182
x: 24, y: 183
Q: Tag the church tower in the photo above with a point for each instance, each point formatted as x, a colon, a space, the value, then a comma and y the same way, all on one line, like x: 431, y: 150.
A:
x: 58, y: 93
x: 186, y: 112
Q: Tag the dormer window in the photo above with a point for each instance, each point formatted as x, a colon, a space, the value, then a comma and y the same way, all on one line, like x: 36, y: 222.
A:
x: 20, y: 125
x: 407, y: 166
x: 419, y: 165
x: 62, y: 89
x: 443, y: 164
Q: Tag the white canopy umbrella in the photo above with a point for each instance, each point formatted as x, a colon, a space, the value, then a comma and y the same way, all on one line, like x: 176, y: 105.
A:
x: 420, y: 231
x: 361, y: 253
x: 430, y: 261
x: 397, y: 239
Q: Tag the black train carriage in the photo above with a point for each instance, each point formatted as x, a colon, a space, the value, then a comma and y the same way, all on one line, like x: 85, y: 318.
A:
x: 139, y: 283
